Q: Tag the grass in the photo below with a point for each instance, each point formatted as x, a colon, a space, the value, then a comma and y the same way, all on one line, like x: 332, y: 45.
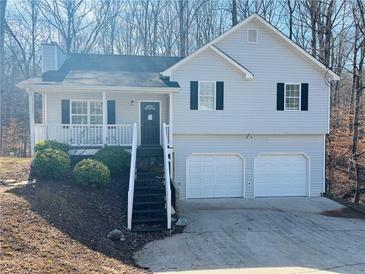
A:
x: 14, y: 168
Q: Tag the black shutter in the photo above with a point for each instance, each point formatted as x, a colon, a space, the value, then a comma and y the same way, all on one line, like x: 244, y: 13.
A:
x: 280, y: 96
x: 194, y: 95
x: 111, y: 112
x: 304, y: 97
x: 65, y: 108
x: 219, y: 96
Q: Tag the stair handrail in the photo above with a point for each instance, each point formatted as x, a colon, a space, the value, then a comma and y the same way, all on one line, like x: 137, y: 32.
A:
x: 167, y: 176
x: 132, y: 175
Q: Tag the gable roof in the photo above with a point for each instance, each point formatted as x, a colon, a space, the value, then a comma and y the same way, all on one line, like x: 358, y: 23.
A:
x: 334, y: 76
x: 114, y: 72
x: 248, y: 74
x: 109, y: 63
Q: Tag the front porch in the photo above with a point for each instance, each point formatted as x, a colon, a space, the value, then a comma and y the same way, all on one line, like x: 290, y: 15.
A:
x: 96, y: 119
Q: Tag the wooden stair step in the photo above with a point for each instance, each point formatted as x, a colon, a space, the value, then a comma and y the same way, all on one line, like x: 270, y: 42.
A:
x: 140, y: 203
x: 157, y: 210
x: 149, y: 228
x: 148, y: 220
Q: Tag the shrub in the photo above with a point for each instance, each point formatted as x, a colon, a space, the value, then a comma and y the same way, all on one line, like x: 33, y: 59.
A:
x: 51, y: 144
x: 115, y: 158
x: 51, y: 163
x: 89, y: 172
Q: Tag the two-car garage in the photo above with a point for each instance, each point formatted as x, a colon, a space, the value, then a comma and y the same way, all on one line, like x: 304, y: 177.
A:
x: 223, y: 175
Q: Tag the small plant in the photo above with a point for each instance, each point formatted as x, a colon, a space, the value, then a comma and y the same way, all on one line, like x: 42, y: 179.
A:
x: 89, y: 172
x: 115, y: 158
x: 51, y: 144
x: 51, y: 163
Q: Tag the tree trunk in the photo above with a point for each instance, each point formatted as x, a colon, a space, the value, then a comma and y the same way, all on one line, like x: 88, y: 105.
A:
x: 234, y: 12
x: 2, y: 67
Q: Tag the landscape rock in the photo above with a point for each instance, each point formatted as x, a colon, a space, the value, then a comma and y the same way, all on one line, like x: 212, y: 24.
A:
x: 116, y: 235
x: 180, y: 225
x: 9, y: 181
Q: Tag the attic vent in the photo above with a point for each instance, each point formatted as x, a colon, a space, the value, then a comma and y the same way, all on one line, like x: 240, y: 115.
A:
x: 252, y: 35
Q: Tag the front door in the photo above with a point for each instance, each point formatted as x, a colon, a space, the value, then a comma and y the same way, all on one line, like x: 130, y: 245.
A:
x: 150, y: 123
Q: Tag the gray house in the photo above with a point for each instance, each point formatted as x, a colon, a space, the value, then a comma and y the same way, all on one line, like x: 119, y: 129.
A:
x: 244, y: 116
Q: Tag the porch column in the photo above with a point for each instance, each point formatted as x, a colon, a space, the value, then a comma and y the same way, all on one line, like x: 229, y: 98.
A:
x: 44, y: 115
x: 104, y: 118
x: 170, y: 118
x: 31, y: 120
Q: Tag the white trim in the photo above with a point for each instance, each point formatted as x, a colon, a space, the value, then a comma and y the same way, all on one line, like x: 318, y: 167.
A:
x: 257, y: 35
x: 44, y: 108
x: 215, y: 95
x: 300, y: 97
x: 139, y: 118
x: 105, y: 113
x: 31, y: 120
x: 324, y: 164
x: 215, y: 153
x: 170, y: 119
x: 88, y: 109
x: 239, y: 25
x: 229, y: 60
x: 309, y: 181
x: 54, y: 87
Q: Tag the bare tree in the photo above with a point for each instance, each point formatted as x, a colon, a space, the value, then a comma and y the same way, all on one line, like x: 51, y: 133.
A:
x: 234, y: 13
x: 2, y: 66
x: 358, y: 87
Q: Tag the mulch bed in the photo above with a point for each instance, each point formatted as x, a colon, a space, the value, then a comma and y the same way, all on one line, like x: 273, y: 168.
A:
x: 58, y: 227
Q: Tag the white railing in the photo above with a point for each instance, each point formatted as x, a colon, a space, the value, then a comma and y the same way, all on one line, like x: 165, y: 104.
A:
x: 81, y: 135
x: 168, y: 134
x: 132, y: 174
x: 167, y: 174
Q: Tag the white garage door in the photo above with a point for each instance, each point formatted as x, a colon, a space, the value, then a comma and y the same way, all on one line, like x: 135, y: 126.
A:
x: 214, y: 175
x: 280, y: 175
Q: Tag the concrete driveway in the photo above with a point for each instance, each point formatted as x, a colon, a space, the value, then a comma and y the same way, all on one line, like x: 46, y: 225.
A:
x: 276, y: 235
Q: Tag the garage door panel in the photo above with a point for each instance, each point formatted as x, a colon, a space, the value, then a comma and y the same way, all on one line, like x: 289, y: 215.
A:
x: 213, y: 176
x: 280, y: 175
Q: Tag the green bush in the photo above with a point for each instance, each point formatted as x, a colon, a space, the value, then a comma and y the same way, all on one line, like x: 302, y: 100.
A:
x: 90, y: 172
x: 51, y: 163
x: 51, y: 144
x: 115, y: 158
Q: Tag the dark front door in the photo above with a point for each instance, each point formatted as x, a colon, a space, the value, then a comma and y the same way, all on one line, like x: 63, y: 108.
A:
x: 150, y: 123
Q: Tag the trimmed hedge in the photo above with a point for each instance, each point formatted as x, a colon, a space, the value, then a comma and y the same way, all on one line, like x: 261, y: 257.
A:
x: 51, y: 144
x: 115, y: 158
x: 51, y: 163
x: 92, y: 173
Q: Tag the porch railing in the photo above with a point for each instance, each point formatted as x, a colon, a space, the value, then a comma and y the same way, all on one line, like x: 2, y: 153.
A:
x: 168, y: 135
x: 81, y: 135
x: 167, y: 175
x: 132, y: 174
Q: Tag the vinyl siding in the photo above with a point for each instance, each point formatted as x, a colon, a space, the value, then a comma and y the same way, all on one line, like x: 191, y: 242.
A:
x: 249, y: 149
x: 250, y: 105
x: 126, y: 113
x: 48, y: 58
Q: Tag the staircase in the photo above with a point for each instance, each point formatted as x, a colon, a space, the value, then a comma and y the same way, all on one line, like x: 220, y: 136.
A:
x: 149, y: 201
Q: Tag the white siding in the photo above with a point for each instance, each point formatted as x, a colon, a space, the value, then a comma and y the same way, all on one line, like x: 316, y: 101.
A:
x: 250, y: 105
x: 249, y: 149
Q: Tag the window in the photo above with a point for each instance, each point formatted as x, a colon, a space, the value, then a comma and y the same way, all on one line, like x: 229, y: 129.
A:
x: 96, y: 112
x: 79, y: 112
x: 252, y: 35
x: 292, y: 96
x: 206, y: 95
x: 86, y: 112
